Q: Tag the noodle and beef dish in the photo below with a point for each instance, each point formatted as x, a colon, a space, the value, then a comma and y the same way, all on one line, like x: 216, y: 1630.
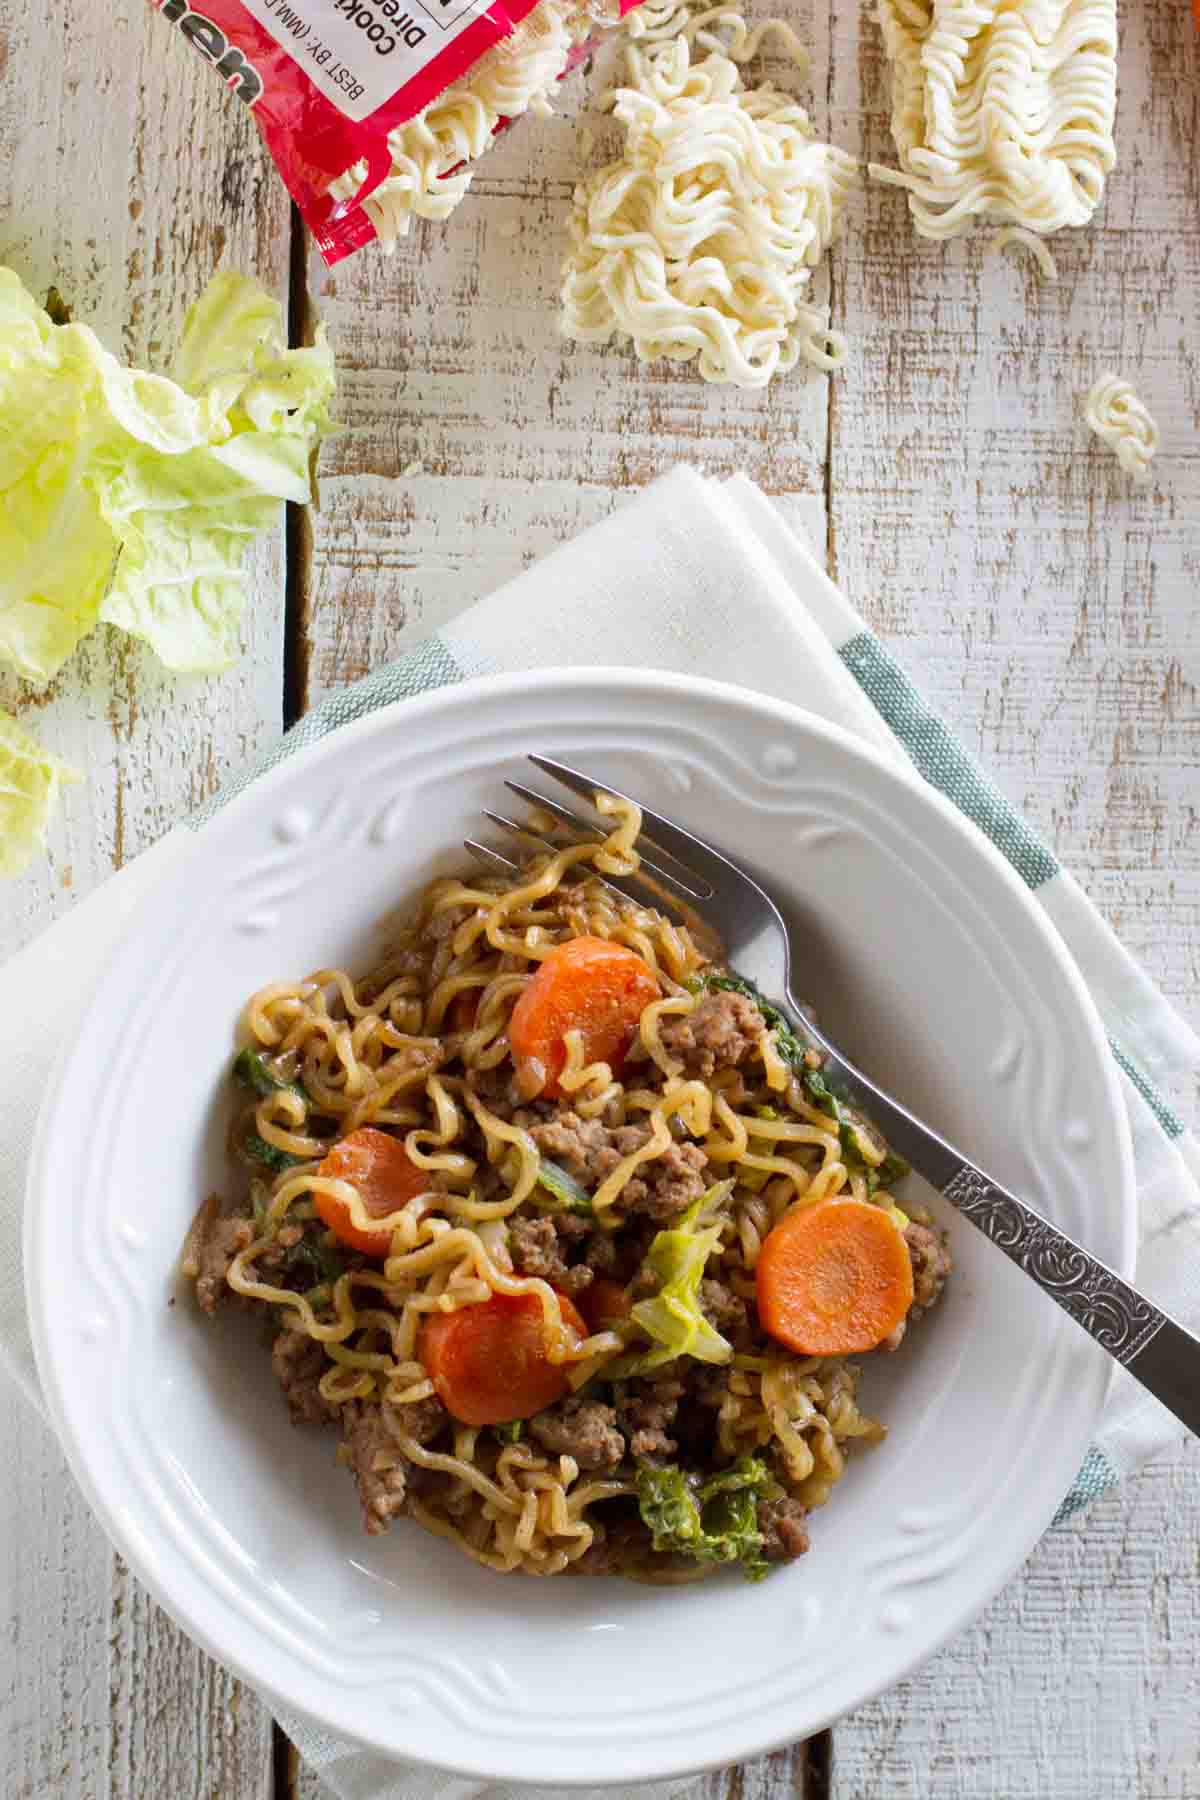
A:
x: 557, y: 1224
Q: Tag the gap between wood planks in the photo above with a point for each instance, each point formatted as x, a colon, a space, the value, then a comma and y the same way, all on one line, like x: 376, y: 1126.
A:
x: 810, y: 1774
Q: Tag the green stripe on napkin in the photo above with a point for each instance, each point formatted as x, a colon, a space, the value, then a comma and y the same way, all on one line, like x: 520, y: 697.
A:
x: 941, y: 759
x: 1170, y: 1122
x: 1095, y: 1478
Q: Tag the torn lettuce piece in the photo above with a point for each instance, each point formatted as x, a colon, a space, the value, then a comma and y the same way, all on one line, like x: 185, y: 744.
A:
x: 130, y: 497
x: 672, y: 1319
x: 55, y: 550
x: 30, y: 779
x: 712, y: 1521
x: 184, y: 525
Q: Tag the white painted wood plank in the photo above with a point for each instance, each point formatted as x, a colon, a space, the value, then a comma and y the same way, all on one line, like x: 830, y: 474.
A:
x: 1057, y: 629
x: 1078, y: 1683
x: 782, y: 1776
x: 128, y: 178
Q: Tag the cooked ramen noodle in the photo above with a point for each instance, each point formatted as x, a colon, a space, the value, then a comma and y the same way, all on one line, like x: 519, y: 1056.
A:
x: 557, y: 1223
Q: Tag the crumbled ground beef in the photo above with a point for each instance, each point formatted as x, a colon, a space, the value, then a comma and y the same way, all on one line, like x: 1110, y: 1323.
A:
x: 589, y: 1150
x: 584, y: 1429
x: 421, y: 1420
x: 299, y: 1363
x: 601, y: 1253
x: 719, y: 1033
x: 710, y: 1386
x: 666, y: 1187
x: 378, y: 1467
x: 782, y: 1525
x: 724, y: 1309
x: 371, y: 1451
x: 624, y: 1543
x: 650, y: 1406
x: 536, y: 1247
x: 213, y: 1243
x: 932, y: 1263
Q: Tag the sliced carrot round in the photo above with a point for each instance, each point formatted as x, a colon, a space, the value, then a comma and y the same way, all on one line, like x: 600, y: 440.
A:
x: 586, y: 985
x: 378, y: 1165
x: 834, y: 1279
x: 489, y: 1363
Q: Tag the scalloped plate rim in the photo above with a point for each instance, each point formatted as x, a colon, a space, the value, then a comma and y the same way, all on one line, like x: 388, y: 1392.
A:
x: 511, y: 1761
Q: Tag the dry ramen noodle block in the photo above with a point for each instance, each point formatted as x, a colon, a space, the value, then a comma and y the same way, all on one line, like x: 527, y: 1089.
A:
x: 699, y: 243
x: 1002, y: 110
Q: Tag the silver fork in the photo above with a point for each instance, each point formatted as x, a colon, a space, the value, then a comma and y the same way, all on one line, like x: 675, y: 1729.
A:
x: 695, y: 881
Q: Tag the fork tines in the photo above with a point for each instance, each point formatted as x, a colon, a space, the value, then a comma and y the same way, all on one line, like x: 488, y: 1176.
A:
x: 684, y: 868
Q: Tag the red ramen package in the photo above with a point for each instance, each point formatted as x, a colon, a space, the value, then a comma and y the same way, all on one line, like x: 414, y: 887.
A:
x: 375, y: 110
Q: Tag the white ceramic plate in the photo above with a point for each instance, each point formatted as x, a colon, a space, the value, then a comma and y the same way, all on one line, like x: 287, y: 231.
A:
x: 924, y: 950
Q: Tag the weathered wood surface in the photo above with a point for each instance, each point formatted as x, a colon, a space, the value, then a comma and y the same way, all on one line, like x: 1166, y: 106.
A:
x: 788, y: 1775
x: 1080, y: 1682
x: 127, y: 180
x: 1056, y: 625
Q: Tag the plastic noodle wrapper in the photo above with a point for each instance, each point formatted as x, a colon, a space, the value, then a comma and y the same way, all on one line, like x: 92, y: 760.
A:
x: 374, y: 111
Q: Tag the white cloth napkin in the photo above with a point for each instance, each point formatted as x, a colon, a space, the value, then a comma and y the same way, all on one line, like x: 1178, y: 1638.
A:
x: 707, y: 578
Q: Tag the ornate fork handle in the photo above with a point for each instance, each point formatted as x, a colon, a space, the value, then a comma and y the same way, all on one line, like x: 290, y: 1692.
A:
x: 1161, y: 1354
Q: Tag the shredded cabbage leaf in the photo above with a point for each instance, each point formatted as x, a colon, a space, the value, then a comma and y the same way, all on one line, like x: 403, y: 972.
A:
x: 565, y: 1191
x: 130, y: 497
x: 672, y: 1319
x: 712, y: 1521
x: 30, y: 779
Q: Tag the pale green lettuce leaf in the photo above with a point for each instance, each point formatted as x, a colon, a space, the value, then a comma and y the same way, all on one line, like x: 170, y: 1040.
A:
x: 232, y: 324
x: 673, y: 1319
x: 168, y: 480
x: 55, y: 550
x: 234, y: 355
x: 184, y: 524
x: 30, y: 779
